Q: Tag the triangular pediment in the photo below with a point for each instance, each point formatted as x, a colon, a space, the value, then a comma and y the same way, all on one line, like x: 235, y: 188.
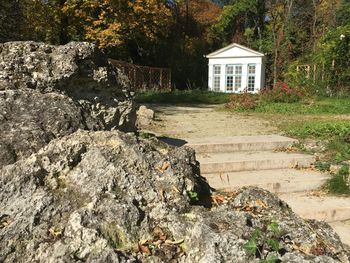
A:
x: 234, y: 50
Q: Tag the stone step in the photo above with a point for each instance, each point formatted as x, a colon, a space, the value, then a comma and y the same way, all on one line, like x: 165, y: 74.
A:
x: 343, y: 230
x: 327, y: 208
x: 249, y: 161
x: 240, y: 143
x: 275, y: 181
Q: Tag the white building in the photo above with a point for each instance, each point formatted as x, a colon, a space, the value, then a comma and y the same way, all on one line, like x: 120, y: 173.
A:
x: 236, y: 68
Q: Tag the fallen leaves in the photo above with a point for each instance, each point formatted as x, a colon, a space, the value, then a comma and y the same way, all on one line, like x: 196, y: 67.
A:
x: 223, y: 198
x: 164, y: 167
x: 253, y: 206
x: 217, y: 199
x: 160, y: 242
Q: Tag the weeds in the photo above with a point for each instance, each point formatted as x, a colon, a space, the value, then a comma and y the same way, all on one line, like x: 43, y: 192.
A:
x: 339, y: 183
x: 319, y: 129
x: 264, y: 243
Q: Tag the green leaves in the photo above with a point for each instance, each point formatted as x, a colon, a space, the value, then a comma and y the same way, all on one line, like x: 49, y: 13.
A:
x: 274, y: 244
x: 250, y: 247
x: 270, y: 259
x: 193, y: 196
x: 273, y: 227
x: 263, y: 242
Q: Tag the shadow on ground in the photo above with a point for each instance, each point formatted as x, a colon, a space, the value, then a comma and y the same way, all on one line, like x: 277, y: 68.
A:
x: 172, y: 141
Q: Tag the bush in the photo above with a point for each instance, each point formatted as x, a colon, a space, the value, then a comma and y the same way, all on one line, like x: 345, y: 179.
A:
x: 281, y: 92
x: 242, y: 101
x: 338, y: 184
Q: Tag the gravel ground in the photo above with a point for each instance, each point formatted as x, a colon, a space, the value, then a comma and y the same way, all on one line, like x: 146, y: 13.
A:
x: 205, y: 121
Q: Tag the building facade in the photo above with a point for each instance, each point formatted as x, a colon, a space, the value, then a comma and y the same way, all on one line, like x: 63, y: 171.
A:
x: 236, y: 69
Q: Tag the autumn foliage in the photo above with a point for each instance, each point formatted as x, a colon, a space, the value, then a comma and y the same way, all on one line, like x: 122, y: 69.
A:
x: 283, y: 93
x: 113, y: 22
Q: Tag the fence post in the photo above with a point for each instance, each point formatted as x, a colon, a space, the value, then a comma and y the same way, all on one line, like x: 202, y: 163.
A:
x: 161, y: 79
x: 150, y: 79
x: 169, y: 84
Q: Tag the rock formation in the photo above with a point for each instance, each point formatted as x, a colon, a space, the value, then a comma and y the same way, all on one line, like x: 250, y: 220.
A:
x: 145, y: 116
x: 111, y: 197
x: 51, y: 91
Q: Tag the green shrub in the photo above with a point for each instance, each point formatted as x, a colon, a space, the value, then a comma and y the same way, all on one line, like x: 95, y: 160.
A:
x: 338, y: 184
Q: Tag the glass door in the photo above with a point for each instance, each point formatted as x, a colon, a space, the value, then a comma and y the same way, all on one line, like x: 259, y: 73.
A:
x: 233, y: 78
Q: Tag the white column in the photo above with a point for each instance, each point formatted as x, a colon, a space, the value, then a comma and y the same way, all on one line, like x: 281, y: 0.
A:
x: 223, y: 78
x: 244, y: 77
x: 258, y: 77
x: 210, y: 76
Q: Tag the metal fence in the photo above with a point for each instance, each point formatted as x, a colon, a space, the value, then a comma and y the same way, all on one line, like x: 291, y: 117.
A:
x: 145, y: 78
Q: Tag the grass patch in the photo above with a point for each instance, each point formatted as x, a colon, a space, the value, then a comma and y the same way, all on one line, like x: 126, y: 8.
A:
x: 338, y: 183
x: 319, y: 106
x: 183, y: 97
x: 325, y: 106
x: 319, y: 129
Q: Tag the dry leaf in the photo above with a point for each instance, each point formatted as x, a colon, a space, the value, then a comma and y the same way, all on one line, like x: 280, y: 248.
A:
x: 143, y: 247
x: 261, y: 203
x: 218, y: 198
x: 164, y: 167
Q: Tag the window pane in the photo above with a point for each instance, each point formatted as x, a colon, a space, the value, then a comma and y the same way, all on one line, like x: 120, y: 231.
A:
x: 251, y: 69
x: 238, y: 70
x: 217, y: 69
x: 238, y: 81
x: 216, y: 83
x: 251, y: 83
x: 229, y: 83
x: 229, y: 70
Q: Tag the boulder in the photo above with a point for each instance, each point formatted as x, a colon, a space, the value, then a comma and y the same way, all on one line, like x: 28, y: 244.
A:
x: 50, y: 91
x: 107, y: 196
x: 145, y: 116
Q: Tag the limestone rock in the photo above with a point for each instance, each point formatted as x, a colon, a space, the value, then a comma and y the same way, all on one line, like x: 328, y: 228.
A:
x: 107, y: 196
x: 77, y: 69
x: 30, y: 119
x: 145, y: 116
x: 49, y: 91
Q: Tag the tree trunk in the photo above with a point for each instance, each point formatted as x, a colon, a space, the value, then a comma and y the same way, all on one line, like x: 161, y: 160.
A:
x: 64, y: 23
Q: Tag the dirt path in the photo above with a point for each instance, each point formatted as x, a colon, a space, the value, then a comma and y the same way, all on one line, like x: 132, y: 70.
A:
x: 205, y: 121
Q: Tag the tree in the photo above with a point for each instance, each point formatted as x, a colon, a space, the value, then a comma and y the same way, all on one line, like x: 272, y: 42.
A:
x: 240, y: 21
x: 10, y: 20
x: 111, y: 23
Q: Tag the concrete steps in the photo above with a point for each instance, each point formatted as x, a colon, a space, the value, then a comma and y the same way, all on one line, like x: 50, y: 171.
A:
x: 275, y: 181
x: 235, y: 162
x: 248, y: 161
x: 328, y: 208
x: 240, y: 143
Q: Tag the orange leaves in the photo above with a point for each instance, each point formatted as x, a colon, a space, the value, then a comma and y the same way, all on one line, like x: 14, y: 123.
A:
x: 217, y: 199
x: 164, y: 167
x: 111, y: 23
